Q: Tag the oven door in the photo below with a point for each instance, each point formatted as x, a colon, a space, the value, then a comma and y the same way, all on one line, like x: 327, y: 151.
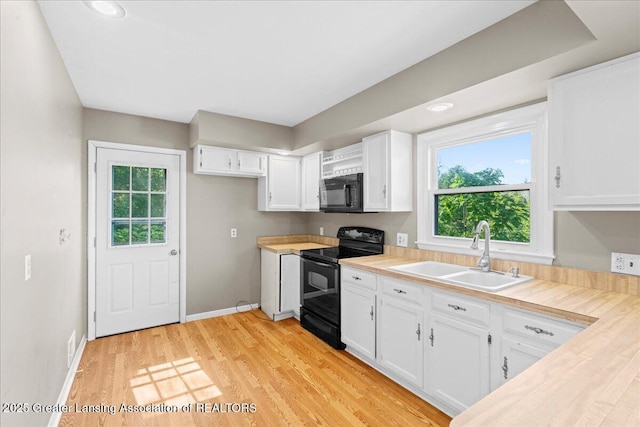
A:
x: 320, y: 289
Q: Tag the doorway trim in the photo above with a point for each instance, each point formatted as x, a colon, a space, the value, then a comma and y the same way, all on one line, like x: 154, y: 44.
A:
x: 91, y: 224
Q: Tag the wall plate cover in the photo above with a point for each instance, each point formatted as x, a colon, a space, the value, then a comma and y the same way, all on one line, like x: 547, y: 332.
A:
x: 625, y: 263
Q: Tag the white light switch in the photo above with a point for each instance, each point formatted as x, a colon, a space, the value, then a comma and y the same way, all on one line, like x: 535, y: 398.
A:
x: 27, y: 267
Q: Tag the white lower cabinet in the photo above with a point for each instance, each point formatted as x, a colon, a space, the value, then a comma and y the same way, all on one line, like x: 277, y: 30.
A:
x: 450, y: 349
x: 527, y: 338
x: 457, y: 360
x: 401, y: 330
x: 358, y: 313
x: 279, y: 284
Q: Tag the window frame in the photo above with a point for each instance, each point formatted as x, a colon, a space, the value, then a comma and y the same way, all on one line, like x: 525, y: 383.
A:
x: 533, y: 119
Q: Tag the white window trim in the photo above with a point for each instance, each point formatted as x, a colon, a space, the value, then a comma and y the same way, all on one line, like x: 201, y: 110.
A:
x: 532, y: 118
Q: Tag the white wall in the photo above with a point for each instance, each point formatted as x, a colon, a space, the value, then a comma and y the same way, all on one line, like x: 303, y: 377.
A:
x: 41, y: 193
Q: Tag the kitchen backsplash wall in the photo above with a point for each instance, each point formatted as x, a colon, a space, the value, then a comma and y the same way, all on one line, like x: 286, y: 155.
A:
x: 583, y: 240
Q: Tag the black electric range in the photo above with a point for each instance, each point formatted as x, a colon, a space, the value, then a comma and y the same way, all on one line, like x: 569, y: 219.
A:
x: 320, y: 280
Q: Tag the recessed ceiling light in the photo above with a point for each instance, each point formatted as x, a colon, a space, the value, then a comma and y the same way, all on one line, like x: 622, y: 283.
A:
x: 107, y: 8
x: 439, y: 107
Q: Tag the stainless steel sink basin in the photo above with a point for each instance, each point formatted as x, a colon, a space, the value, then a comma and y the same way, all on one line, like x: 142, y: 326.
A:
x: 458, y: 275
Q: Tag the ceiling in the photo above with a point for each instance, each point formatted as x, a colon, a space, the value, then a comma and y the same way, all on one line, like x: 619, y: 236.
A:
x: 280, y: 62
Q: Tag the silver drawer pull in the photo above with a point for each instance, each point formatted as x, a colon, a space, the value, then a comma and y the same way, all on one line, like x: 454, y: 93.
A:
x: 457, y: 307
x: 355, y: 278
x: 400, y: 291
x: 538, y: 330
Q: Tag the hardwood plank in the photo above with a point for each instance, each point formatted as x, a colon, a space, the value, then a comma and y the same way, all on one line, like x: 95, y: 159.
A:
x: 290, y: 376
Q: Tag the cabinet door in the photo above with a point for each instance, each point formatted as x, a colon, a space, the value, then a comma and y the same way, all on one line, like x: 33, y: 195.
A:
x: 290, y: 283
x: 215, y: 159
x: 400, y: 335
x: 358, y: 322
x: 251, y: 163
x: 515, y: 357
x: 457, y: 362
x: 284, y: 183
x: 311, y: 182
x: 594, y: 134
x: 375, y: 155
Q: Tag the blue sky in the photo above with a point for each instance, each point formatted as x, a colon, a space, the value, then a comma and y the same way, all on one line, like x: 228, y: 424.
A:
x: 511, y: 154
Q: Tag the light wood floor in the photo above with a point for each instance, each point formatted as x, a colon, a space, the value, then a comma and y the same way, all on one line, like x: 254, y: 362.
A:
x: 244, y: 370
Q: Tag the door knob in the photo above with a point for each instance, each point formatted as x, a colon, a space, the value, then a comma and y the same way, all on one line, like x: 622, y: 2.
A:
x: 174, y: 252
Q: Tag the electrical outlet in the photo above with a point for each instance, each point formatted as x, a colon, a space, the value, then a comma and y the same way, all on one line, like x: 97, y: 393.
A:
x: 234, y: 233
x: 27, y: 267
x: 625, y: 263
x: 322, y: 231
x: 402, y: 239
x: 71, y: 349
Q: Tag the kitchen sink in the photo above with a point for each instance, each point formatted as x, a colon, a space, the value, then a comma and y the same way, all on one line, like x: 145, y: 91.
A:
x: 430, y: 269
x: 491, y: 281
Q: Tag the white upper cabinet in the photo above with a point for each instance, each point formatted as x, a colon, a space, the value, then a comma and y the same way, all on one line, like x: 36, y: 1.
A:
x: 594, y: 131
x: 311, y: 182
x: 279, y: 190
x: 387, y: 167
x: 228, y: 162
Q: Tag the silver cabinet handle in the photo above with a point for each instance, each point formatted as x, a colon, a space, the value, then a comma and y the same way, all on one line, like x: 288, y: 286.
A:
x: 505, y: 368
x: 557, y: 177
x: 269, y: 195
x: 238, y: 163
x: 384, y: 191
x: 538, y: 330
x: 371, y: 313
x: 400, y: 291
x: 418, y: 332
x: 457, y: 307
x: 431, y: 337
x: 229, y: 162
x: 355, y: 278
x: 173, y: 252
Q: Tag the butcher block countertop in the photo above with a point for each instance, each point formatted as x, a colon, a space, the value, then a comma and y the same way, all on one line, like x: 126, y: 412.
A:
x: 294, y: 244
x: 591, y: 380
x: 289, y: 248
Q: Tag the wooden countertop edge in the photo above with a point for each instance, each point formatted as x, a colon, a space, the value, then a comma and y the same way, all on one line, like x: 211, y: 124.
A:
x: 291, y: 248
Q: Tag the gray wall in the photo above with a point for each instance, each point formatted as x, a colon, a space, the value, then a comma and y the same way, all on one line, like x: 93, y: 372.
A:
x: 41, y: 188
x: 221, y: 271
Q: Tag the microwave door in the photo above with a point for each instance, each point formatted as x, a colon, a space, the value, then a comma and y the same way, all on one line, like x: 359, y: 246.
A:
x: 335, y: 195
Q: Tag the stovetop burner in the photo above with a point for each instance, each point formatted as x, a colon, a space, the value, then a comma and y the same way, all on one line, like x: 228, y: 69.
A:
x: 354, y: 242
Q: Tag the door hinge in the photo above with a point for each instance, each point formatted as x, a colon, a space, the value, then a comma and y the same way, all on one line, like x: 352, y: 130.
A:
x: 489, y: 339
x: 94, y: 316
x: 95, y: 167
x: 94, y: 242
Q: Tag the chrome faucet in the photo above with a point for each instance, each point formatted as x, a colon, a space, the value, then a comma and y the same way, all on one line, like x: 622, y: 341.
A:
x: 485, y: 261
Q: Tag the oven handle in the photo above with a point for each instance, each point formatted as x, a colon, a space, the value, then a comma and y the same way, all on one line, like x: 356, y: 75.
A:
x: 320, y: 263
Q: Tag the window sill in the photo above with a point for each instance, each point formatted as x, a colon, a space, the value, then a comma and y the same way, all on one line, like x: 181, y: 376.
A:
x: 511, y: 255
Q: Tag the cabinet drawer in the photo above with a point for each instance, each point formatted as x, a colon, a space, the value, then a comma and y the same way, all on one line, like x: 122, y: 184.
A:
x: 461, y: 308
x: 539, y: 328
x: 402, y: 290
x: 359, y: 278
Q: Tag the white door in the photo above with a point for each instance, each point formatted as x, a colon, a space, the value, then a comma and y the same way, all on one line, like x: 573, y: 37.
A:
x: 376, y: 172
x: 457, y: 362
x: 137, y: 240
x: 357, y: 320
x: 400, y: 339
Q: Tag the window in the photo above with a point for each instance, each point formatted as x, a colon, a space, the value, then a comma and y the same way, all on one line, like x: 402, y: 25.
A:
x: 489, y: 169
x: 138, y: 205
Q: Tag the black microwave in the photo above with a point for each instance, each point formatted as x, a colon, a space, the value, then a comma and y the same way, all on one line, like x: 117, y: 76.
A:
x: 341, y: 194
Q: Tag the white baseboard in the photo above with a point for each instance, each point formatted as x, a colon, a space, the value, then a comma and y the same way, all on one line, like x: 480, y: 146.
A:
x: 54, y: 420
x: 221, y: 312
